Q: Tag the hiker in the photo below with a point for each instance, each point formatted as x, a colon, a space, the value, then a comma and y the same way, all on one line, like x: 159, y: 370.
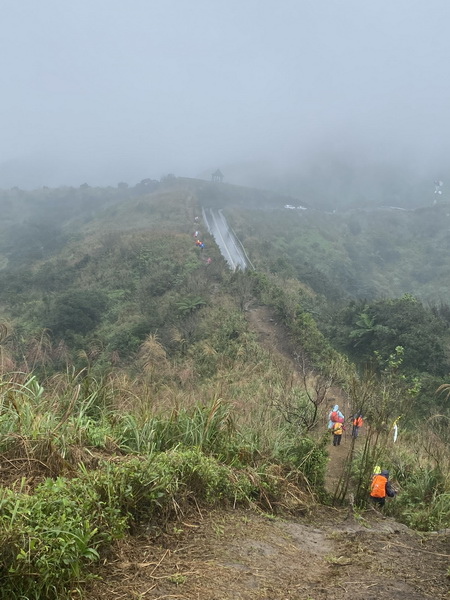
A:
x: 337, y: 430
x: 380, y: 488
x: 335, y: 416
x: 357, y: 423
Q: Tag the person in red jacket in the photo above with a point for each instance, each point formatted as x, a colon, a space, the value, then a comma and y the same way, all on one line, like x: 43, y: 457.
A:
x: 380, y: 488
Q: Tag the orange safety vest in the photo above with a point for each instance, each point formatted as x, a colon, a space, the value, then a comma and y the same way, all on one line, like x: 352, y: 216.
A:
x: 378, y: 488
x: 337, y: 428
x: 358, y: 422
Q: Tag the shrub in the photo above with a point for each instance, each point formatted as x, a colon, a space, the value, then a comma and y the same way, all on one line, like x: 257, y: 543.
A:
x: 77, y: 311
x: 308, y: 456
x: 49, y: 538
x: 424, y: 501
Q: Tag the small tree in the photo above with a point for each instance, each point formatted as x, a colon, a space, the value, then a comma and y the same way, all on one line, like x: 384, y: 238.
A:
x: 302, y: 407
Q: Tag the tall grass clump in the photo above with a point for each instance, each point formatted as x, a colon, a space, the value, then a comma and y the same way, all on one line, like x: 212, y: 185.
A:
x: 46, y: 424
x: 208, y: 426
x: 423, y: 480
x: 424, y: 501
x: 308, y: 456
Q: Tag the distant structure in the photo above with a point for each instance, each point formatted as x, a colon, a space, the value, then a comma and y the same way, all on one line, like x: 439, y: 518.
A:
x: 217, y: 176
x: 438, y: 187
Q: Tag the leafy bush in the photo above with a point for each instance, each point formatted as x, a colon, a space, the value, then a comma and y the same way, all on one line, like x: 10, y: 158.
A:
x: 77, y: 311
x: 49, y: 539
x: 362, y: 328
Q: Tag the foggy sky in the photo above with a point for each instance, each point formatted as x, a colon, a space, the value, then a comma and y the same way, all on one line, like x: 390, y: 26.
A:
x: 112, y: 90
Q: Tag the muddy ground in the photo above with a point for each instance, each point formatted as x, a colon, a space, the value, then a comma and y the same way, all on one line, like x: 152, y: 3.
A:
x: 237, y: 554
x: 243, y: 555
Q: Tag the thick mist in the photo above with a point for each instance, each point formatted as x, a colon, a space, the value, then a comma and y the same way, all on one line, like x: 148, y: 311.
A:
x: 273, y: 93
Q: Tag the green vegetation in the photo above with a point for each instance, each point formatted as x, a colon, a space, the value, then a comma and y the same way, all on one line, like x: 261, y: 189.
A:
x: 363, y: 328
x: 359, y: 254
x: 109, y: 470
x: 49, y: 538
x: 131, y: 384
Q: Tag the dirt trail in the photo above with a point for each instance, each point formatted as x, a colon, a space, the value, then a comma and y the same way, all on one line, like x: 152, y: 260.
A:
x: 238, y: 554
x: 338, y: 457
x: 275, y: 338
x: 271, y: 334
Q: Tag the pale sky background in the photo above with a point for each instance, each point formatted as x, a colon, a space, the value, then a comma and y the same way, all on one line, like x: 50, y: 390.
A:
x: 112, y: 90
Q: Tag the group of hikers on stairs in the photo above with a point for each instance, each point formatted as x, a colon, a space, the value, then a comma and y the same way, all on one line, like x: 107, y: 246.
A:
x: 380, y: 487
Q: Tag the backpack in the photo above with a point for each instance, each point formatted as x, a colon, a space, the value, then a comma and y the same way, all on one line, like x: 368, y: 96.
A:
x: 378, y: 488
x: 334, y: 417
x: 337, y: 429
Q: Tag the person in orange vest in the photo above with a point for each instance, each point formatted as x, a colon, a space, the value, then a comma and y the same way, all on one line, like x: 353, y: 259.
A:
x: 357, y: 423
x: 380, y: 488
x: 337, y: 430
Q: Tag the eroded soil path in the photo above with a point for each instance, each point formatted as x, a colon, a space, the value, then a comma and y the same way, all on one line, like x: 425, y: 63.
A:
x: 242, y: 555
x: 275, y: 338
x: 237, y: 554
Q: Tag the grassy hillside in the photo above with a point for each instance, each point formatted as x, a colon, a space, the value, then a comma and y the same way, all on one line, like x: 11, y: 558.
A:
x: 358, y: 254
x: 380, y: 279
x: 133, y: 386
x: 113, y: 277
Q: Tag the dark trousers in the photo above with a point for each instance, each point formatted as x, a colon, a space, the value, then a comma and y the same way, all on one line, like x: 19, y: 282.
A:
x: 379, y: 501
x: 336, y: 439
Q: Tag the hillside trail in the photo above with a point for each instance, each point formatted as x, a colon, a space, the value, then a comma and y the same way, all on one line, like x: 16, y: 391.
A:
x: 275, y: 338
x: 322, y: 553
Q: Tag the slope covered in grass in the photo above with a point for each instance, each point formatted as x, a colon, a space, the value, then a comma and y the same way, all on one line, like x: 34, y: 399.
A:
x: 134, y: 387
x: 355, y: 254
